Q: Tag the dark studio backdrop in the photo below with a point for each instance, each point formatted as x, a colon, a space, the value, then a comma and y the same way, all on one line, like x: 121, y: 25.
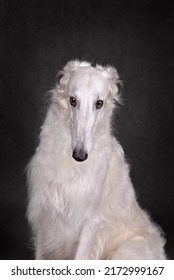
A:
x: 37, y: 39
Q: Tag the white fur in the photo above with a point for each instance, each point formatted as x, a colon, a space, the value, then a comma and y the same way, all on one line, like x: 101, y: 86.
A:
x: 86, y: 210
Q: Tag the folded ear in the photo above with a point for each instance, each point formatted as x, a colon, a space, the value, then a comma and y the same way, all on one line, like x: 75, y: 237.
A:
x: 114, y: 82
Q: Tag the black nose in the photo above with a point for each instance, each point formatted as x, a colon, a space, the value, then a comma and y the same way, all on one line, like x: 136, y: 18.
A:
x: 79, y: 155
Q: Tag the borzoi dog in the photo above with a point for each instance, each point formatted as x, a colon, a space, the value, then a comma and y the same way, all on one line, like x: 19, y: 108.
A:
x: 81, y: 201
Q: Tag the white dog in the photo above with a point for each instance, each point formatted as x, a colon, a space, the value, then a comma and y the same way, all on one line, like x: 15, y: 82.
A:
x: 81, y: 201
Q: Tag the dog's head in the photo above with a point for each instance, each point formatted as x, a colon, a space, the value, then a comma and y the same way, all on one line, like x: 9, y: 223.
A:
x: 87, y: 94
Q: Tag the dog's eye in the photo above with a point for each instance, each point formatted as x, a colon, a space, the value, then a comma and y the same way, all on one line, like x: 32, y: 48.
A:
x: 99, y: 104
x: 73, y: 101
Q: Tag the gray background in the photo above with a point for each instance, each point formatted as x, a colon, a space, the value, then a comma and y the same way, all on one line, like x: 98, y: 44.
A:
x: 37, y: 39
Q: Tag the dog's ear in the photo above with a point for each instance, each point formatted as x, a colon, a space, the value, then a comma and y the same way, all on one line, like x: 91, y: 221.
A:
x: 61, y: 85
x: 71, y: 66
x: 114, y: 82
x: 62, y: 80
